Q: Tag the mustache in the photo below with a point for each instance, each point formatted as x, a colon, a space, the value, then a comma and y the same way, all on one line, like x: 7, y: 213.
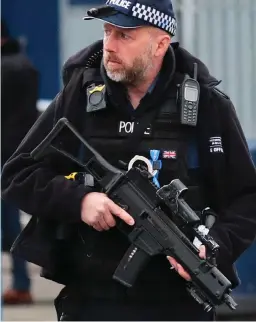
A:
x: 113, y: 58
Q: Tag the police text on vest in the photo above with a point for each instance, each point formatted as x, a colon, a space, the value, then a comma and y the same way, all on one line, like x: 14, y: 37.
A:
x: 128, y: 128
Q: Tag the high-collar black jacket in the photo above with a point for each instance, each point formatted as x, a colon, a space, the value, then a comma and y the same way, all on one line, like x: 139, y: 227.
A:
x: 230, y: 176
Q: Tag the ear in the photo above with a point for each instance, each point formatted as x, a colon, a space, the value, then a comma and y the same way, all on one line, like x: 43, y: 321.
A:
x: 163, y: 43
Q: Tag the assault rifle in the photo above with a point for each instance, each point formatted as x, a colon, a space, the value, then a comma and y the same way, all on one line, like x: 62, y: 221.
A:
x: 162, y: 221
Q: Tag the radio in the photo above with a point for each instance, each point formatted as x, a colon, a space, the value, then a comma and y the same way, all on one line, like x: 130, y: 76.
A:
x: 189, y: 99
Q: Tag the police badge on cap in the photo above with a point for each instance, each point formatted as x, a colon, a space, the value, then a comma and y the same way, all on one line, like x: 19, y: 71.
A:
x: 136, y: 13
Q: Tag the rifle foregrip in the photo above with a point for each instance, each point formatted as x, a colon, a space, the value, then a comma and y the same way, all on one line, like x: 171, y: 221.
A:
x: 130, y: 266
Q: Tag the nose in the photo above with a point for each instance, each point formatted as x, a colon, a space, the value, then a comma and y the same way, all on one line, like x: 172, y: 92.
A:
x: 110, y: 43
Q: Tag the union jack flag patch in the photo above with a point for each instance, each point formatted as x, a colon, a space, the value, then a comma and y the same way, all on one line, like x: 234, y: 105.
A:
x: 169, y: 154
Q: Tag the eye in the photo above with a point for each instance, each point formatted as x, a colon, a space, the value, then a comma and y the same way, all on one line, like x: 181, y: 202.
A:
x: 125, y: 36
x: 106, y: 32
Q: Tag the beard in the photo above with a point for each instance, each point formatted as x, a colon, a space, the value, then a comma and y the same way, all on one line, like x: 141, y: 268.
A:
x: 129, y: 75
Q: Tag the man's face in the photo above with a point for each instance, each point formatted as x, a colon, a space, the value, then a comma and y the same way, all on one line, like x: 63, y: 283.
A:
x: 127, y: 54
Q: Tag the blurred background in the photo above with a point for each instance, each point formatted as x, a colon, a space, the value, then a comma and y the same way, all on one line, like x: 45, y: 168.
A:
x: 222, y: 33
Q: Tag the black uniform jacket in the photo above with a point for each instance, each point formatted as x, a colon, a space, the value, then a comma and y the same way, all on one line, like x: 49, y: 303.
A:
x: 40, y: 189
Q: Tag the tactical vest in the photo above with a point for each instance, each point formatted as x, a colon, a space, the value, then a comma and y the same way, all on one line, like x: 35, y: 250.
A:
x: 107, y: 131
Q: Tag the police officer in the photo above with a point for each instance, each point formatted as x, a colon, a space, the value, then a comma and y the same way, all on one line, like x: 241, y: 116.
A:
x: 128, y: 96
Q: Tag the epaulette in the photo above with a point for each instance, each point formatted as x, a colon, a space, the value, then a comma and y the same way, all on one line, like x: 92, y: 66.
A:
x: 217, y: 90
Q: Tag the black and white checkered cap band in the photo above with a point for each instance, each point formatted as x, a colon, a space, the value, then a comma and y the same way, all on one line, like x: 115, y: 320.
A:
x: 156, y: 17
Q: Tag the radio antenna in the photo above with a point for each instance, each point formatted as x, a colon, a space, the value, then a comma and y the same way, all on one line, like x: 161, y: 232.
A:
x: 195, y: 71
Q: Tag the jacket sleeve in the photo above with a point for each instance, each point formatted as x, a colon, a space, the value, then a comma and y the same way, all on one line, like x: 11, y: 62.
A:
x: 235, y: 230
x: 34, y: 186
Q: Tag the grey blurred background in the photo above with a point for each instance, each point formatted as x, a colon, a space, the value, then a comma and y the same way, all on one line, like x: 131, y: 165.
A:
x: 222, y: 33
